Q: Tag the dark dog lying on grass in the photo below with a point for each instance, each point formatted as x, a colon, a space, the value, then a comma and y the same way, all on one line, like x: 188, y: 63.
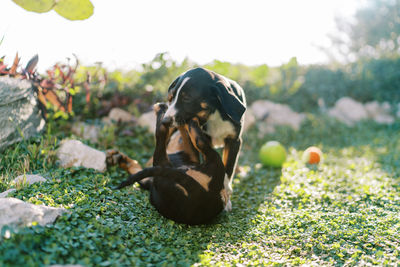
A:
x: 219, y: 104
x: 181, y: 188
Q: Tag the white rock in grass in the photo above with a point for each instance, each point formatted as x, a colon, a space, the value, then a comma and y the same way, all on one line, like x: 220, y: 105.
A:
x: 148, y: 120
x: 72, y: 153
x: 379, y: 112
x: 348, y: 111
x: 20, y: 117
x: 5, y: 193
x: 274, y: 114
x: 86, y: 131
x: 30, y: 179
x: 16, y: 212
x: 260, y: 108
x: 120, y: 115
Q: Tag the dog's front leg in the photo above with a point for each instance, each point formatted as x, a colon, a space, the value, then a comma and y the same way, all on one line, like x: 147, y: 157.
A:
x: 230, y: 156
x: 163, y: 133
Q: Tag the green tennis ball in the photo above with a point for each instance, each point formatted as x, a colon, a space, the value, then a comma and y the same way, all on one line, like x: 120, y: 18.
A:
x: 272, y: 154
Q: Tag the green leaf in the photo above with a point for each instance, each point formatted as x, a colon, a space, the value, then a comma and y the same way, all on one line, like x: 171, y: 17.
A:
x: 39, y: 6
x: 74, y: 9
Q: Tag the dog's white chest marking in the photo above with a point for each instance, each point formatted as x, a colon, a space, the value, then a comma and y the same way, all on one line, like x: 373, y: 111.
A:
x: 219, y: 129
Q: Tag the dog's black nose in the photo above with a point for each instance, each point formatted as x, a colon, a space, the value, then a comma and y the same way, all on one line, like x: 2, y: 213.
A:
x: 167, y: 121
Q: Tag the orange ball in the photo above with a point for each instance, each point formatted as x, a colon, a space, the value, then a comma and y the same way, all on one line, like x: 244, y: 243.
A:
x: 312, y: 155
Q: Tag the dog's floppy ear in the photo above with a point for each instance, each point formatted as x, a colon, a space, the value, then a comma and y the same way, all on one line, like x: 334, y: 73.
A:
x: 173, y: 84
x: 231, y: 106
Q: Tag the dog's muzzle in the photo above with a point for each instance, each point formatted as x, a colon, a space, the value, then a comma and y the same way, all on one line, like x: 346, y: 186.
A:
x: 168, y: 121
x: 173, y: 121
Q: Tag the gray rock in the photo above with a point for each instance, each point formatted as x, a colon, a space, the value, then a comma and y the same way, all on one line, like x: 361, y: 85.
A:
x: 348, y: 110
x: 260, y: 108
x: 379, y: 112
x: 73, y: 153
x: 19, y: 113
x: 29, y: 179
x: 86, y: 131
x: 23, y: 179
x: 148, y: 120
x: 15, y: 212
x: 273, y: 114
x: 5, y: 193
x: 117, y: 114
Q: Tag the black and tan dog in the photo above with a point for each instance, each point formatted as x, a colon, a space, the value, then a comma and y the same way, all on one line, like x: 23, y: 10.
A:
x: 218, y: 103
x: 181, y: 188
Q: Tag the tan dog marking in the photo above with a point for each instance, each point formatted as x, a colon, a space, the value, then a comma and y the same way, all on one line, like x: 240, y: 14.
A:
x: 225, y: 153
x: 200, y: 177
x: 129, y: 165
x: 185, y: 192
x: 202, y: 114
x: 170, y: 95
x: 187, y: 145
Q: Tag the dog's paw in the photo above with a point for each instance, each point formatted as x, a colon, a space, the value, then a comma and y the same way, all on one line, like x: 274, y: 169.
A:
x: 160, y: 107
x: 228, y: 185
x: 113, y: 157
x: 227, y: 193
x: 228, y: 206
x: 226, y: 200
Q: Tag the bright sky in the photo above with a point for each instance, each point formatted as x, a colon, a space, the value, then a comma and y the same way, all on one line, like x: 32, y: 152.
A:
x: 126, y: 33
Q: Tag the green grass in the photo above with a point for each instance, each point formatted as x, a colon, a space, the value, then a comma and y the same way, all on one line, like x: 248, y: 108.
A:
x: 343, y: 211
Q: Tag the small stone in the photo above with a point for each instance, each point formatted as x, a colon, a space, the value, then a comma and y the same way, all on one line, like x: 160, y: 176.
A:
x: 73, y: 153
x: 86, y: 131
x: 120, y: 115
x: 30, y: 179
x: 6, y: 193
x: 274, y: 114
x: 379, y: 112
x: 260, y: 108
x: 19, y: 111
x: 15, y: 212
x: 349, y: 111
x: 148, y: 120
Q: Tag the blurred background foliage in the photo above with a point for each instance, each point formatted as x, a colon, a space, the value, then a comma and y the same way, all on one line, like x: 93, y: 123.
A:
x: 369, y: 70
x: 374, y: 31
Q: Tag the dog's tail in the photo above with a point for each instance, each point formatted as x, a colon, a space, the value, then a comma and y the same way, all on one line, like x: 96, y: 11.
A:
x: 152, y: 171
